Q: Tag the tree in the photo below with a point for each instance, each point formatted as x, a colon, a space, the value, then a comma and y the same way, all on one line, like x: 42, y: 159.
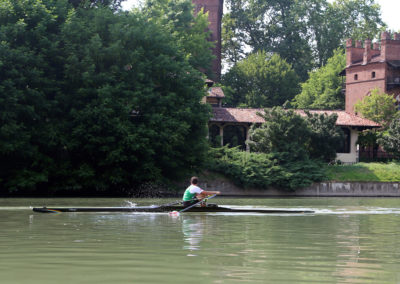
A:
x: 378, y: 107
x: 283, y: 131
x: 323, y: 89
x: 304, y: 33
x: 325, y: 137
x: 189, y: 30
x: 110, y: 99
x: 113, y: 4
x: 390, y: 141
x: 314, y: 136
x: 261, y: 80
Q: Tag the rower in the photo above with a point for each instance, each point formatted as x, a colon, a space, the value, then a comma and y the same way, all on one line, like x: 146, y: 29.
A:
x: 194, y: 194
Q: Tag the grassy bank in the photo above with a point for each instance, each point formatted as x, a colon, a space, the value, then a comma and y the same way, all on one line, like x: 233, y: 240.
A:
x: 364, y: 172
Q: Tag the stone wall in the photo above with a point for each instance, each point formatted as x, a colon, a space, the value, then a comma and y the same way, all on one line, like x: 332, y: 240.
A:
x: 324, y: 189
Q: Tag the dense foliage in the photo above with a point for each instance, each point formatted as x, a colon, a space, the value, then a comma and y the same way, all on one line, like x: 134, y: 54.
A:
x: 304, y: 33
x: 378, y: 107
x: 265, y: 170
x: 390, y: 141
x: 260, y: 80
x: 94, y: 99
x: 190, y: 32
x: 325, y: 137
x: 314, y: 136
x: 323, y: 89
x: 282, y: 132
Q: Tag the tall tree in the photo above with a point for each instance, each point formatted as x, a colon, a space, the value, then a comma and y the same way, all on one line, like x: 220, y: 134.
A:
x: 323, y: 89
x: 261, y: 80
x: 189, y: 30
x: 113, y: 4
x: 304, y: 33
x: 109, y: 100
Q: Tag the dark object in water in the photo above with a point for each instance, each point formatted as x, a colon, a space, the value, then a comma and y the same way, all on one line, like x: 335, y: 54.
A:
x: 211, y: 208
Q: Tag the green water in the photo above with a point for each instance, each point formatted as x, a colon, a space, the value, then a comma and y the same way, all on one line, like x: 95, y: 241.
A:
x: 347, y: 240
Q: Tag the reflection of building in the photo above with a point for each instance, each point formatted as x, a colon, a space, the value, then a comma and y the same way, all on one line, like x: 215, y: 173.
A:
x: 231, y: 125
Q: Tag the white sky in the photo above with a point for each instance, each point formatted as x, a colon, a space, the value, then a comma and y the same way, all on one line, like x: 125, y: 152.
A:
x: 390, y: 11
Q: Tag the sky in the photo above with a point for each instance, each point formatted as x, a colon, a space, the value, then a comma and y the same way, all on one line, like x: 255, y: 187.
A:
x: 390, y: 11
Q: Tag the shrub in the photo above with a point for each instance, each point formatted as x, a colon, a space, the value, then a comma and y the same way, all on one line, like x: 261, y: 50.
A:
x: 264, y: 170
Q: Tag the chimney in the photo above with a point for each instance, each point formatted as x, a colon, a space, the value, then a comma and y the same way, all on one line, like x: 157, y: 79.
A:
x: 349, y: 49
x: 367, y: 52
x: 396, y: 36
x: 385, y: 37
x: 349, y: 43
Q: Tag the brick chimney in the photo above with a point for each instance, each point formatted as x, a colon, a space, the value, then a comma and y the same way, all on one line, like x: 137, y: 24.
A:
x: 385, y: 37
x: 353, y: 54
x: 367, y: 51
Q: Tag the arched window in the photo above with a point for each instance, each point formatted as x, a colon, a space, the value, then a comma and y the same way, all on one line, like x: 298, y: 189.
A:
x: 356, y: 77
x: 373, y: 74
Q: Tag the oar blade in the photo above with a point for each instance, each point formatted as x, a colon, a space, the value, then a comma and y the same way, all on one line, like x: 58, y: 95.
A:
x: 174, y: 213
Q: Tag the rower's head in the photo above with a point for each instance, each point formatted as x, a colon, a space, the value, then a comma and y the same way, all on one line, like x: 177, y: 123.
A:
x: 194, y: 180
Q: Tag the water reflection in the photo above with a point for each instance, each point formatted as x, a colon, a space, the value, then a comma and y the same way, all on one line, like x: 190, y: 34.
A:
x: 193, y: 230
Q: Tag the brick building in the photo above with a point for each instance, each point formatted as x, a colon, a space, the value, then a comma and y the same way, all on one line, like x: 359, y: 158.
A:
x: 372, y: 66
x: 231, y: 125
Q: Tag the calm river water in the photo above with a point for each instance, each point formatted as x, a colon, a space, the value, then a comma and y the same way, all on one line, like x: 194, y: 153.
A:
x: 347, y: 240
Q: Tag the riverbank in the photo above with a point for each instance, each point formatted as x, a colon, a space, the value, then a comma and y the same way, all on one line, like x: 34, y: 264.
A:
x: 322, y: 189
x: 358, y: 180
x: 364, y: 172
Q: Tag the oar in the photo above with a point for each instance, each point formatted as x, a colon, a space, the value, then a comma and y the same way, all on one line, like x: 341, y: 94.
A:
x: 170, y: 204
x: 176, y: 213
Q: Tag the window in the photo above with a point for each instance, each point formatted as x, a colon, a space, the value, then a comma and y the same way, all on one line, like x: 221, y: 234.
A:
x: 344, y: 147
x: 356, y: 77
x: 373, y: 74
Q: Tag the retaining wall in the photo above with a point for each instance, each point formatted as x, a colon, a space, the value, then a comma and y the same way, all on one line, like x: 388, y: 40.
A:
x: 323, y: 189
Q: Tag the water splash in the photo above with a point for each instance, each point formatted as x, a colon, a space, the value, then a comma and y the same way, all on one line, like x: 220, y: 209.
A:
x: 129, y: 204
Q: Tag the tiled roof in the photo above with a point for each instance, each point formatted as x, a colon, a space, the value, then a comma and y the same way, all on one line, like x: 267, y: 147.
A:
x: 345, y: 118
x: 246, y: 115
x: 215, y: 92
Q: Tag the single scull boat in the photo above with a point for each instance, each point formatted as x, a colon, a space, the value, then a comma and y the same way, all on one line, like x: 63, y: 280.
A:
x: 209, y: 208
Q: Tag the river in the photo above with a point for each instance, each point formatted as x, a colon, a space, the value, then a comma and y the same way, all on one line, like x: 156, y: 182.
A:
x: 346, y: 240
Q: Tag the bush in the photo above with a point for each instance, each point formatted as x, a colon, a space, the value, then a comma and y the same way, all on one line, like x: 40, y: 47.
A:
x: 265, y: 170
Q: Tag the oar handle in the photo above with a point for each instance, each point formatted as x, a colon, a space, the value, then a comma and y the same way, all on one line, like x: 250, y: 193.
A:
x: 187, y: 208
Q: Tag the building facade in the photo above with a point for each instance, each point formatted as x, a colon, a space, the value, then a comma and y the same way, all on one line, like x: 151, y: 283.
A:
x: 372, y: 66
